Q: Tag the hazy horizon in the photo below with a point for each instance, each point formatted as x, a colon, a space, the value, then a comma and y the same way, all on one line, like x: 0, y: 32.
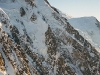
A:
x: 78, y: 8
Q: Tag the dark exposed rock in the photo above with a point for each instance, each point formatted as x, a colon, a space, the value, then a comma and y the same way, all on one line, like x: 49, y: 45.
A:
x: 47, y: 2
x: 97, y: 23
x: 55, y: 9
x: 15, y: 34
x: 33, y: 17
x: 22, y: 11
x: 31, y: 2
x: 2, y: 63
x: 28, y: 39
x: 57, y: 18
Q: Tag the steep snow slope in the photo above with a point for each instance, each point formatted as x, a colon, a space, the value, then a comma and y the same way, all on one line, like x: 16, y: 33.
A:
x: 36, y: 39
x: 89, y: 28
x: 13, y: 11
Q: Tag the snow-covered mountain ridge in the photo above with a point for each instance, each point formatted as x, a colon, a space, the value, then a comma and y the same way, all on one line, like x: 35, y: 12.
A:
x: 35, y: 39
x: 89, y: 28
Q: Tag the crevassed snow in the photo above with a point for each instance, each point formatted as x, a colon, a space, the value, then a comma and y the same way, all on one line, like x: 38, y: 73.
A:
x: 89, y: 28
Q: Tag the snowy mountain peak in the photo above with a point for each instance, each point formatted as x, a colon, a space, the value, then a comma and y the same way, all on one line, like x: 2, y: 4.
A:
x: 89, y: 27
x: 35, y: 39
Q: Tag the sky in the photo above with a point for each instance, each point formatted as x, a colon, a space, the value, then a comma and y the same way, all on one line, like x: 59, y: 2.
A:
x: 78, y: 8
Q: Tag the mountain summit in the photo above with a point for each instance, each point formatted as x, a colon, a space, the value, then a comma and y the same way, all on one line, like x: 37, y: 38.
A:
x: 89, y: 28
x: 35, y: 39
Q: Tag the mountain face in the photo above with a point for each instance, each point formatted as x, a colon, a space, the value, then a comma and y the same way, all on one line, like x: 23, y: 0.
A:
x: 35, y: 39
x: 89, y: 28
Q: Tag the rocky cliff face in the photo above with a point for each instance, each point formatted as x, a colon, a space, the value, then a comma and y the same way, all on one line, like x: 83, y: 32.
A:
x: 36, y: 40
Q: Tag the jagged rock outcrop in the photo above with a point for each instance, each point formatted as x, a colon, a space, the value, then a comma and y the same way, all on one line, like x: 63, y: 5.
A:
x: 36, y: 40
x: 14, y: 53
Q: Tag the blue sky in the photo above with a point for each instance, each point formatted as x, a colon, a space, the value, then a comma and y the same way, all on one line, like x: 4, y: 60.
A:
x: 78, y: 8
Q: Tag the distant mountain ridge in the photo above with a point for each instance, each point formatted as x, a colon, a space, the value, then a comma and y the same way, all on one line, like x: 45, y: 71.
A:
x: 89, y: 28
